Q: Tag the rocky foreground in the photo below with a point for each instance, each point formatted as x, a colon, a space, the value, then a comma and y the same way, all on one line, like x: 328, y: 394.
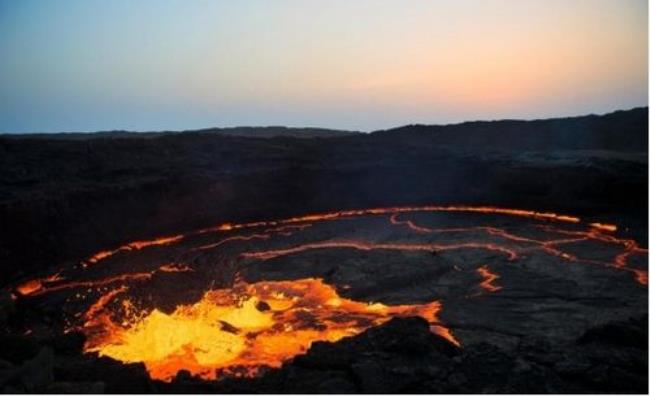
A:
x: 401, y: 356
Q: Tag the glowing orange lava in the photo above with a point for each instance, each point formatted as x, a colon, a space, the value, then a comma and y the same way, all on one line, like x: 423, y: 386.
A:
x: 36, y: 285
x: 136, y: 245
x: 631, y: 247
x: 175, y: 267
x: 549, y: 216
x: 409, y: 224
x: 361, y: 245
x: 250, y: 326
x: 286, y: 226
x: 488, y: 277
x: 241, y: 329
x: 604, y: 227
x: 231, y: 239
x: 30, y: 289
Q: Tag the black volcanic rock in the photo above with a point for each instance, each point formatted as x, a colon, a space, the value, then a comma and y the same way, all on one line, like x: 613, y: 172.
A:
x: 7, y: 306
x: 69, y: 343
x: 618, y: 131
x: 61, y: 194
x: 632, y: 333
x: 37, y: 373
x: 117, y: 377
x: 63, y: 198
x: 17, y: 349
x: 382, y: 360
x: 400, y: 356
x: 403, y: 336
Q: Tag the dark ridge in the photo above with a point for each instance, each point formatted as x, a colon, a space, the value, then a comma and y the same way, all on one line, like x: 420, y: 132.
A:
x: 257, y: 132
x: 65, y: 198
x: 623, y: 130
x: 277, y: 131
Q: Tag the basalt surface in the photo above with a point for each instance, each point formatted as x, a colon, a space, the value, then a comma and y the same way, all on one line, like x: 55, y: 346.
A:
x: 267, y: 306
x: 481, y: 257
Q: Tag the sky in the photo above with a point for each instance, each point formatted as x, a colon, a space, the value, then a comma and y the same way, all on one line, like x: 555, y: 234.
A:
x: 145, y: 65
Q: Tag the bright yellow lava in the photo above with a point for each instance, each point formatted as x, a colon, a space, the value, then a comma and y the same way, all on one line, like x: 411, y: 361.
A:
x: 237, y: 331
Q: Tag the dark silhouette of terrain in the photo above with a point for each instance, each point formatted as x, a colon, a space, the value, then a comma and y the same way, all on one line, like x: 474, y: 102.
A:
x: 624, y: 131
x: 63, y: 198
x: 401, y: 356
x: 66, y: 196
x: 260, y: 132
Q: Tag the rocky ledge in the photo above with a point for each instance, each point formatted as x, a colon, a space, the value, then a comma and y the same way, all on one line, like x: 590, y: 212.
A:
x: 401, y: 356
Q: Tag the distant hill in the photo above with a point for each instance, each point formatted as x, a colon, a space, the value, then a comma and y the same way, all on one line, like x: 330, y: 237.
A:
x: 624, y: 130
x: 255, y: 132
x: 275, y: 131
x: 68, y: 195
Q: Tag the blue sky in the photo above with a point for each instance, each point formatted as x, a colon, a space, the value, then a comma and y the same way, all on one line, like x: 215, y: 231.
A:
x: 350, y: 64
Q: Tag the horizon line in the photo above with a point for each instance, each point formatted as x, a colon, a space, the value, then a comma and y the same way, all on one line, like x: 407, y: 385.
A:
x: 469, y: 121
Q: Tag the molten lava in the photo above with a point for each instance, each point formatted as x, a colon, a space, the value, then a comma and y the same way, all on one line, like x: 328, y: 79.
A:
x: 37, y: 285
x: 284, y: 224
x: 488, y: 277
x: 56, y: 282
x: 361, y: 245
x: 136, y: 245
x: 241, y: 329
x: 604, y: 227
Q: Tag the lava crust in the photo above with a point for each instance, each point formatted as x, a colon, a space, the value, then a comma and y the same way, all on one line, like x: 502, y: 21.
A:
x: 237, y: 300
